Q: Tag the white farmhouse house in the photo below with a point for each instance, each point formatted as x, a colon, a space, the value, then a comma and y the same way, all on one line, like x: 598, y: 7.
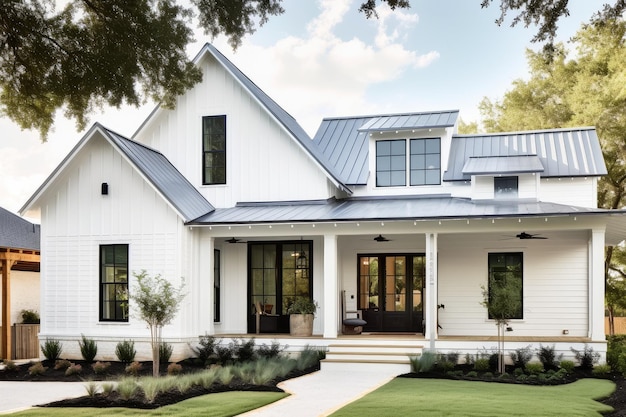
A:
x: 399, y: 212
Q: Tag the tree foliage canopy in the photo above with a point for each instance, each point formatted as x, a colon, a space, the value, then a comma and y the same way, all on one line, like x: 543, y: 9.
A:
x: 92, y: 53
x: 588, y: 89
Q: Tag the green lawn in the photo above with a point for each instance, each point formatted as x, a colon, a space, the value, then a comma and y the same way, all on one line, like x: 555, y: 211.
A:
x: 438, y: 397
x: 212, y: 405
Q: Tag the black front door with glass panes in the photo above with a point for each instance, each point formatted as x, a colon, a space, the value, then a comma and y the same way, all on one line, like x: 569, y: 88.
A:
x: 278, y: 274
x: 391, y: 291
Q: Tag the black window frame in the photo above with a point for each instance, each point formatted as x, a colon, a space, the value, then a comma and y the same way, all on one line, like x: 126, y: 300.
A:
x: 505, y: 187
x: 507, y: 273
x: 387, y: 160
x: 281, y: 298
x: 217, y: 277
x: 428, y: 149
x: 119, y: 299
x: 214, y: 147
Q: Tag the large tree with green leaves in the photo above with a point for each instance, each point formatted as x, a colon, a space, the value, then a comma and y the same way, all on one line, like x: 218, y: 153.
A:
x: 91, y: 53
x: 155, y: 301
x: 584, y: 87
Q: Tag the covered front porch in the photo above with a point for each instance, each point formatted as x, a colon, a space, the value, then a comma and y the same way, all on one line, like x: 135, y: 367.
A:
x: 563, y: 278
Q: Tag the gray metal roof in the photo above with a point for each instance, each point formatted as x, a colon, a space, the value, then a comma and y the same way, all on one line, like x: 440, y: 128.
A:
x: 178, y: 191
x: 427, y: 120
x: 484, y: 165
x: 563, y: 152
x: 413, y: 208
x: 280, y: 114
x: 18, y: 233
x: 344, y: 140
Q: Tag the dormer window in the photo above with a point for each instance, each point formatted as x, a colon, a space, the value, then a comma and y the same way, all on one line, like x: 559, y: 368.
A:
x: 424, y: 162
x: 505, y: 187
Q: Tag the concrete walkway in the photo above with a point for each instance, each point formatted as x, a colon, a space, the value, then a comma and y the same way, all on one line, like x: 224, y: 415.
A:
x: 317, y: 394
x: 322, y: 393
x: 19, y: 395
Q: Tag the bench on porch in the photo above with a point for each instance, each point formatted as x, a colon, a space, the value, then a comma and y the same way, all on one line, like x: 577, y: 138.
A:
x: 352, y: 323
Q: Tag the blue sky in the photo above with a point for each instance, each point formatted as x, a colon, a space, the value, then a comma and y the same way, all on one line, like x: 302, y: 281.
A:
x: 323, y: 59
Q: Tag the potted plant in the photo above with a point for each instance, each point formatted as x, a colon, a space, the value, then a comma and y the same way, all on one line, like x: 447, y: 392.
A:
x: 301, y: 314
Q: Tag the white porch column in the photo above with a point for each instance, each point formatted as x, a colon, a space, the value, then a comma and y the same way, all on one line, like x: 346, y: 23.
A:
x: 431, y: 289
x: 205, y: 295
x: 331, y: 291
x: 596, y: 285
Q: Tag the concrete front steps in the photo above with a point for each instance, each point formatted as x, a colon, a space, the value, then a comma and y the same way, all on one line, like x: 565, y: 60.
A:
x: 392, y: 356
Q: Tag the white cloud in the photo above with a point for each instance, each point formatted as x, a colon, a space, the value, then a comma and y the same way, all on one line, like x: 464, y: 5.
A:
x: 321, y: 74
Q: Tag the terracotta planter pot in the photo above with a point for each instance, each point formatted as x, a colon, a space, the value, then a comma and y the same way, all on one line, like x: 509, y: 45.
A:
x: 301, y: 324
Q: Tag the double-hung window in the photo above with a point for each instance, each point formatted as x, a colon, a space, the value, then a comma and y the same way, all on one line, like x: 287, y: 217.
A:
x: 114, y: 283
x: 213, y: 150
x: 505, y: 187
x: 423, y: 162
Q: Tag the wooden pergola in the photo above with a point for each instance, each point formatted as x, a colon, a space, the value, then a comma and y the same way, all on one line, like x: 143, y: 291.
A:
x: 17, y: 260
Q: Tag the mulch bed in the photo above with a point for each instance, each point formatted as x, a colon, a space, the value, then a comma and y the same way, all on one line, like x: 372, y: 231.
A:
x: 617, y: 400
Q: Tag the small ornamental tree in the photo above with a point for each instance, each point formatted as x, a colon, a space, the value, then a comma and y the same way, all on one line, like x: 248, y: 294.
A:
x: 502, y: 301
x: 156, y: 301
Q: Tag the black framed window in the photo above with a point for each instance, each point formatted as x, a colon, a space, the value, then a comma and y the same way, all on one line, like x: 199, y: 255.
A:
x: 216, y: 285
x: 280, y: 272
x: 505, y: 187
x: 114, y: 283
x: 390, y: 163
x: 425, y: 161
x: 507, y: 269
x: 213, y: 150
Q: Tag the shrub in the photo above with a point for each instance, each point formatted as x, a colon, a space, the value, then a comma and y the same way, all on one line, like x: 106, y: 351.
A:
x: 472, y: 374
x: 73, y: 369
x: 125, y: 351
x: 206, y: 350
x: 243, y: 350
x: 88, y: 348
x: 548, y: 357
x: 224, y: 355
x: 62, y: 364
x: 445, y: 365
x: 452, y: 357
x: 522, y: 378
x: 521, y: 356
x: 423, y: 363
x: 534, y: 368
x: 10, y: 366
x: 567, y: 366
x: 30, y: 317
x: 127, y: 388
x: 601, y: 370
x: 165, y: 352
x: 107, y: 389
x: 309, y: 357
x: 37, y: 369
x: 270, y: 352
x: 174, y: 369
x: 225, y: 375
x: 52, y: 349
x: 482, y: 364
x: 100, y: 368
x: 518, y: 371
x: 92, y: 388
x: 133, y: 368
x: 587, y: 358
x: 616, y: 347
x: 488, y: 375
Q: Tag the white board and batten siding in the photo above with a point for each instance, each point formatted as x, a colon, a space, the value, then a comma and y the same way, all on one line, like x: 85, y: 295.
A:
x: 555, y: 284
x: 264, y: 163
x: 79, y: 219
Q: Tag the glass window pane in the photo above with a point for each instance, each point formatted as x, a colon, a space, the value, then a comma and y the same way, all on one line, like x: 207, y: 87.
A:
x: 418, y: 161
x: 383, y: 179
x: 418, y: 177
x: 398, y: 162
x: 383, y: 147
x: 417, y: 146
x: 432, y: 177
x: 397, y: 178
x: 398, y: 147
x: 432, y: 161
x: 432, y: 146
x: 383, y: 163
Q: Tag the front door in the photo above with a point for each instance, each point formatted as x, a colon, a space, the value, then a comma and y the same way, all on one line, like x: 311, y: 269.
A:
x: 390, y: 292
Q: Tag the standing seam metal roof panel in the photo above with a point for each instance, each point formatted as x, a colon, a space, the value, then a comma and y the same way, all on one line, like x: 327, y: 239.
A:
x: 164, y: 176
x: 559, y: 156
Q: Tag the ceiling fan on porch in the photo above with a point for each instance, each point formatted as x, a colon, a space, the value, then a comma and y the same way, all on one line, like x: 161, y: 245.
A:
x: 235, y: 240
x: 525, y: 235
x: 381, y: 238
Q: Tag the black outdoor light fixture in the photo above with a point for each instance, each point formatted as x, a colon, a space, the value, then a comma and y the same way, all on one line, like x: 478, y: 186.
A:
x: 104, y: 188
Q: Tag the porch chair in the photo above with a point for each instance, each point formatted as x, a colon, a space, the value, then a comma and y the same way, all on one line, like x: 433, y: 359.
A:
x: 352, y: 323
